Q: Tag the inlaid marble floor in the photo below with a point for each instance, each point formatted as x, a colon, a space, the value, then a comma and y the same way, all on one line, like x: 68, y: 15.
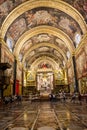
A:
x: 44, y: 116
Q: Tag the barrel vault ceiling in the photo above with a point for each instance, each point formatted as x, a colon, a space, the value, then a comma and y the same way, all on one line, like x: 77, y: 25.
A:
x: 43, y: 31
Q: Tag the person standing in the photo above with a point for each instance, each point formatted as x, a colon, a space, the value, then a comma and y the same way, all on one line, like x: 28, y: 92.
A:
x: 80, y: 98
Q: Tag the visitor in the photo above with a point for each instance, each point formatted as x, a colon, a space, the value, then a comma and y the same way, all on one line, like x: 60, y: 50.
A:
x: 73, y: 98
x: 64, y: 96
x: 61, y: 96
x: 51, y: 96
x: 80, y: 98
x: 19, y: 99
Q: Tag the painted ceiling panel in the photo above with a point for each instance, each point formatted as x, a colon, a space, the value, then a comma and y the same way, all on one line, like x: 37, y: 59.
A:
x: 17, y: 28
x: 44, y: 65
x: 26, y: 46
x: 45, y: 51
x: 6, y: 6
x: 44, y: 38
x: 44, y: 16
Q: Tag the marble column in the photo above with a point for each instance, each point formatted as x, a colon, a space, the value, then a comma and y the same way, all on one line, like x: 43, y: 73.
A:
x: 76, y: 87
x: 15, y: 73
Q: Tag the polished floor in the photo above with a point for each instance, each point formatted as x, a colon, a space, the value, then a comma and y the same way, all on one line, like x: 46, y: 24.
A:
x: 44, y: 115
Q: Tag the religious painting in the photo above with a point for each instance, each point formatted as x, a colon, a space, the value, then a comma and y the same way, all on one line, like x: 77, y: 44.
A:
x: 43, y: 65
x: 80, y: 5
x: 52, y: 17
x: 44, y: 38
x: 6, y: 7
x: 69, y: 24
x: 3, y: 11
x: 44, y: 16
x: 26, y: 46
x: 70, y: 74
x: 60, y: 43
x: 45, y: 83
x: 37, y: 39
x: 30, y: 76
x: 40, y: 49
x: 1, y: 1
x: 17, y: 28
x: 80, y: 63
x: 59, y: 74
x: 41, y: 38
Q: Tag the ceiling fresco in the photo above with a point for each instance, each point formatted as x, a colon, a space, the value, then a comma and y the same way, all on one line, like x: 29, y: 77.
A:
x: 44, y: 16
x: 47, y: 52
x: 6, y: 6
x: 44, y: 65
x: 38, y: 39
x: 60, y: 37
x: 57, y: 59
